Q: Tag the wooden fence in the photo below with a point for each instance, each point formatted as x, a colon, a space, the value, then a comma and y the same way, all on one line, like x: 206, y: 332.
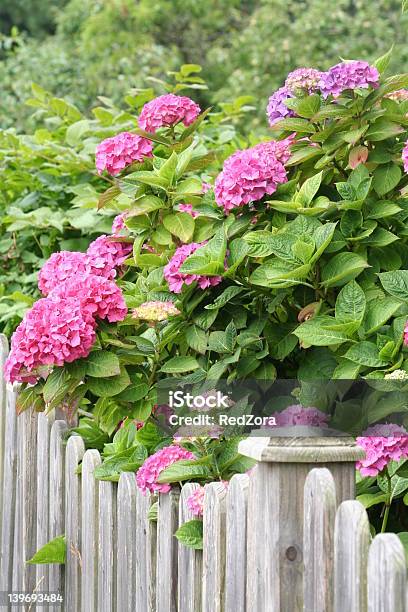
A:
x: 120, y: 561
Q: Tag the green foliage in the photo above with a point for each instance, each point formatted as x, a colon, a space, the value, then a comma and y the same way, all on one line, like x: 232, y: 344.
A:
x: 52, y: 552
x: 190, y: 534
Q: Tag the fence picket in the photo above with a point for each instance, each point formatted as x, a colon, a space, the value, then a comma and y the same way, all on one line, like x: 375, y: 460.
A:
x: 106, y: 554
x: 74, y: 453
x: 318, y: 529
x: 387, y: 574
x: 3, y: 407
x: 8, y: 498
x: 190, y: 562
x: 146, y: 558
x: 89, y: 531
x: 351, y: 543
x: 236, y: 553
x: 126, y: 545
x: 167, y: 551
x: 56, y: 492
x: 214, y: 547
x: 44, y: 424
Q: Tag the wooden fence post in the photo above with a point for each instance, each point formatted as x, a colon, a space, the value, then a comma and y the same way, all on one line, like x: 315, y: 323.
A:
x: 3, y: 408
x: 236, y: 546
x: 126, y: 543
x: 189, y: 562
x: 275, y: 540
x: 167, y: 550
x: 387, y: 575
x: 89, y: 531
x: 214, y: 547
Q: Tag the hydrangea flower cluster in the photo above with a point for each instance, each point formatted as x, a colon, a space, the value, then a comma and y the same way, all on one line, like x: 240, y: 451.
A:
x: 148, y: 473
x: 54, y: 331
x: 155, y: 311
x: 188, y: 208
x: 166, y: 111
x: 98, y: 296
x: 382, y: 443
x: 397, y: 375
x: 348, y: 75
x: 405, y: 161
x: 59, y: 268
x: 277, y: 109
x: 118, y: 224
x: 303, y: 80
x: 116, y: 153
x: 177, y: 279
x: 105, y: 254
x: 299, y: 415
x: 250, y: 174
x: 195, y: 502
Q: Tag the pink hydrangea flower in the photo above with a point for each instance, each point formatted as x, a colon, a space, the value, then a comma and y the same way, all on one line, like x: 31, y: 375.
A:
x: 148, y: 473
x: 400, y: 95
x: 299, y: 415
x: 188, y: 208
x: 195, y: 502
x: 382, y: 443
x: 166, y: 111
x: 114, y: 154
x: 105, y: 254
x: 276, y: 109
x: 59, y: 268
x: 348, y: 75
x: 98, y: 296
x: 249, y: 175
x: 155, y: 311
x: 303, y: 80
x: 53, y: 332
x: 118, y: 224
x: 405, y: 161
x: 176, y: 279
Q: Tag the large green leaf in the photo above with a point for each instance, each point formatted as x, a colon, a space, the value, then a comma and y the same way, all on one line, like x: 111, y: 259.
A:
x: 314, y: 333
x: 351, y: 303
x: 190, y: 534
x: 109, y: 387
x: 209, y: 259
x: 102, y: 364
x: 342, y: 268
x: 366, y: 354
x: 179, y: 365
x: 52, y: 552
x: 182, y: 470
x: 180, y: 224
x: 378, y: 313
x: 386, y: 177
x: 395, y: 283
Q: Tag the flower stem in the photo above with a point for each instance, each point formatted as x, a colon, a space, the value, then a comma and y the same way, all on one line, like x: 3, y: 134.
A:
x: 387, y: 503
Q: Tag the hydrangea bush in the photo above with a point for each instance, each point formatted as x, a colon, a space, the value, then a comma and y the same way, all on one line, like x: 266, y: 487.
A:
x: 281, y: 257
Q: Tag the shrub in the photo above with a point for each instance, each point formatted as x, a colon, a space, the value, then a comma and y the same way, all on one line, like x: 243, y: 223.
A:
x: 290, y: 268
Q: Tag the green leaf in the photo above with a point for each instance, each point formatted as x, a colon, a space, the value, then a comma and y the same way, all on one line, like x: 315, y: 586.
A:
x: 208, y: 259
x: 56, y: 386
x: 308, y: 190
x: 167, y: 171
x: 378, y: 313
x: 102, y: 364
x: 52, y: 552
x: 342, y: 268
x: 111, y: 386
x: 180, y: 225
x: 351, y: 303
x: 403, y: 535
x: 382, y: 129
x: 29, y: 398
x: 185, y: 469
x: 196, y: 339
x: 314, y: 333
x: 308, y: 106
x: 382, y: 209
x: 382, y: 62
x: 277, y: 274
x: 371, y: 499
x: 228, y: 294
x: 386, y: 177
x: 178, y: 365
x: 395, y: 283
x: 190, y: 534
x: 76, y: 130
x: 365, y: 354
x: 153, y: 513
x: 295, y: 125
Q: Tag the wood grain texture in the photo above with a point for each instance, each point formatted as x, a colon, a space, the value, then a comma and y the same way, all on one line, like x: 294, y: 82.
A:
x: 89, y: 531
x: 3, y: 404
x: 351, y: 542
x: 318, y: 544
x: 44, y: 424
x: 167, y: 552
x: 236, y: 543
x: 387, y: 575
x: 189, y: 562
x: 74, y: 452
x: 142, y: 508
x: 214, y: 522
x: 106, y: 548
x: 126, y: 543
x: 8, y: 492
x: 57, y: 499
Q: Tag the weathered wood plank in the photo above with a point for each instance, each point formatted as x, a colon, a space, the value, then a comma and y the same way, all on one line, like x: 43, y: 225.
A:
x: 190, y: 562
x: 107, y: 544
x: 44, y: 424
x: 146, y: 538
x: 3, y: 405
x: 351, y: 543
x: 167, y: 551
x: 318, y: 535
x: 56, y: 509
x: 18, y: 565
x: 236, y: 545
x: 74, y: 453
x: 89, y: 531
x: 8, y: 500
x: 387, y: 575
x: 214, y: 547
x: 126, y: 543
